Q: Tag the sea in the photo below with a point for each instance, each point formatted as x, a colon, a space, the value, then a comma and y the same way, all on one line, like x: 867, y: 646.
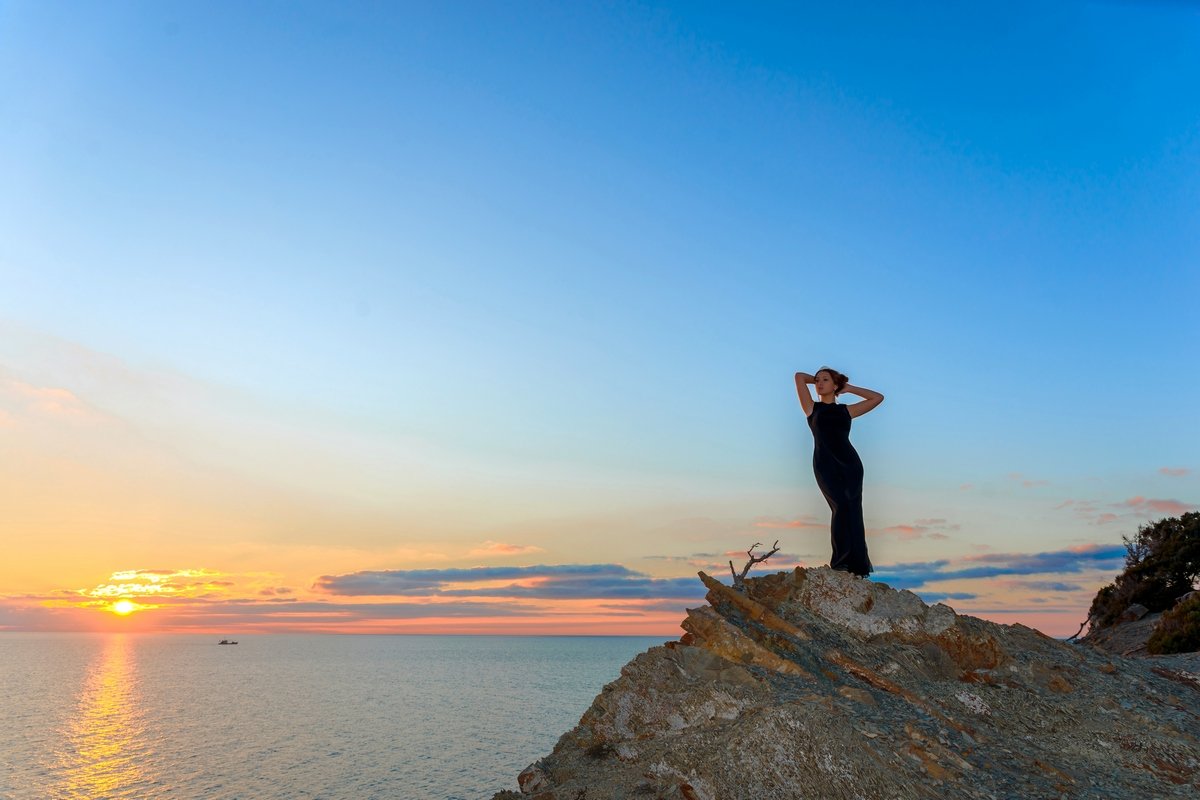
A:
x: 289, y: 717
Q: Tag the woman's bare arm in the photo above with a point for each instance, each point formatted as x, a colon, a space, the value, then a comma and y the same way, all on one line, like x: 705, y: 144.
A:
x: 802, y: 391
x: 870, y: 400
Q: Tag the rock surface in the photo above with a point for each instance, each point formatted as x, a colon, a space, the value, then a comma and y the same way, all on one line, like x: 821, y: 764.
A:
x: 817, y: 684
x: 1128, y: 635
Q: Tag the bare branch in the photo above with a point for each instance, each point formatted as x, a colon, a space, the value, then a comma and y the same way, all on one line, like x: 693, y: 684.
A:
x: 739, y: 581
x: 1085, y: 622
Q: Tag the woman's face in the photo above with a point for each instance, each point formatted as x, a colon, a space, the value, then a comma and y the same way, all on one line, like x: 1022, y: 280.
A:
x: 824, y: 383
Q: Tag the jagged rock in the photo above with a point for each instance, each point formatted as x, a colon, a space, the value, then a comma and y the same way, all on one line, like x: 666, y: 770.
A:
x: 817, y: 684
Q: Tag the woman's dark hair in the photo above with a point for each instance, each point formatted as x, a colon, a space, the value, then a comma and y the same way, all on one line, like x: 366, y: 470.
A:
x: 839, y: 380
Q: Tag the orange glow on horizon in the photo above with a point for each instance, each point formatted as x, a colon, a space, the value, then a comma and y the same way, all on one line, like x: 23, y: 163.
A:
x: 224, y: 603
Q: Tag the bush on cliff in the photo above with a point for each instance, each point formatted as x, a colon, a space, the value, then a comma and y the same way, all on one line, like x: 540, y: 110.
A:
x: 1161, y: 563
x: 1179, y: 629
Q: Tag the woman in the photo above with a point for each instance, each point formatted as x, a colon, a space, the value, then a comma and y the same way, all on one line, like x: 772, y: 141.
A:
x: 837, y: 465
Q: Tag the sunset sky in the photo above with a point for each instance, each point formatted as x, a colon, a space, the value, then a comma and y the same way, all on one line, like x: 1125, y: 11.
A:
x: 483, y: 317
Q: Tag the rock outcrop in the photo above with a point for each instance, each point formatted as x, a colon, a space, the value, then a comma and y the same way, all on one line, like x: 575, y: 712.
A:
x: 817, y: 684
x: 1128, y: 635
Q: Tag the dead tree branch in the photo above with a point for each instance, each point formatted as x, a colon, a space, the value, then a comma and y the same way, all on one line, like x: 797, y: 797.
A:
x: 739, y: 581
x: 1081, y: 625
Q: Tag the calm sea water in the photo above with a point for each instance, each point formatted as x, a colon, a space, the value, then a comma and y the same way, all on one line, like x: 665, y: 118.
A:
x: 284, y: 717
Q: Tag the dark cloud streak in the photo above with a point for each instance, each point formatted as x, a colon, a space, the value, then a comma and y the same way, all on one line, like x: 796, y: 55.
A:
x: 557, y: 582
x: 912, y: 575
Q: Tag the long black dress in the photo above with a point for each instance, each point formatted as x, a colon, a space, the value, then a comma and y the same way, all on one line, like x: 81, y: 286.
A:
x: 839, y: 473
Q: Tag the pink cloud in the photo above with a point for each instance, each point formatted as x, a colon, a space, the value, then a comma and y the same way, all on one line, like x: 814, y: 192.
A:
x: 1125, y: 510
x: 932, y: 527
x: 905, y: 531
x: 1172, y: 507
x: 1091, y: 547
x: 1175, y: 471
x: 490, y: 548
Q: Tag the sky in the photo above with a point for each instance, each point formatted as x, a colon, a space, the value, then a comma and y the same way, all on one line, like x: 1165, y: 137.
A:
x: 483, y: 317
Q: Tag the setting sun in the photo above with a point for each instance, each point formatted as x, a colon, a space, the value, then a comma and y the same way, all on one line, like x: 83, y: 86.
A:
x: 124, y: 607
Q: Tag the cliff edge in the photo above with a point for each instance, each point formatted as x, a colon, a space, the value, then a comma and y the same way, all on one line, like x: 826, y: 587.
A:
x: 817, y: 684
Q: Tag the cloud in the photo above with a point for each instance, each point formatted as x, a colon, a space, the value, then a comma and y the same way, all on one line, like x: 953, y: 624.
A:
x: 990, y: 565
x: 776, y: 522
x: 47, y: 402
x: 294, y: 612
x: 905, y: 531
x: 676, y: 606
x: 168, y: 588
x: 556, y: 581
x: 1176, y: 472
x: 144, y: 582
x: 714, y: 563
x: 1028, y: 483
x: 65, y: 610
x: 1134, y: 509
x: 1171, y: 507
x: 600, y: 598
x: 1051, y: 586
x: 932, y: 527
x: 590, y: 589
x: 490, y: 548
x: 937, y: 597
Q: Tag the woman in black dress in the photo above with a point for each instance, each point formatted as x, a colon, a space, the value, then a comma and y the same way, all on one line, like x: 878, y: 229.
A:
x: 838, y: 468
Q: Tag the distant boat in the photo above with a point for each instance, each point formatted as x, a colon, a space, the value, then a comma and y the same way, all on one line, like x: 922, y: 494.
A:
x: 226, y: 641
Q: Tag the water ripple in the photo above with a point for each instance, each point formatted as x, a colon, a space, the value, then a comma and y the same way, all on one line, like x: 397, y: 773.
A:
x: 288, y: 717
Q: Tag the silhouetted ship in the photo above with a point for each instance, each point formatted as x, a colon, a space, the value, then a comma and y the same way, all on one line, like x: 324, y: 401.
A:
x: 226, y: 641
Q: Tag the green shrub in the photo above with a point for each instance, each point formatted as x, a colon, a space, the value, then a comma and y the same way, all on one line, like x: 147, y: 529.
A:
x: 1161, y: 563
x: 1178, y: 631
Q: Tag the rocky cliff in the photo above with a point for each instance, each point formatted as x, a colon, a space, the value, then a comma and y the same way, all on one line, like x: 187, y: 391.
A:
x: 817, y: 684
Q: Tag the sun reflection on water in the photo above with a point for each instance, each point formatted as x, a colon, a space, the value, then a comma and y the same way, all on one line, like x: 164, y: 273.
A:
x: 105, y: 752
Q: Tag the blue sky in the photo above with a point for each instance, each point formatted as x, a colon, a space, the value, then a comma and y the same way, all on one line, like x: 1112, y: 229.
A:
x: 539, y: 274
